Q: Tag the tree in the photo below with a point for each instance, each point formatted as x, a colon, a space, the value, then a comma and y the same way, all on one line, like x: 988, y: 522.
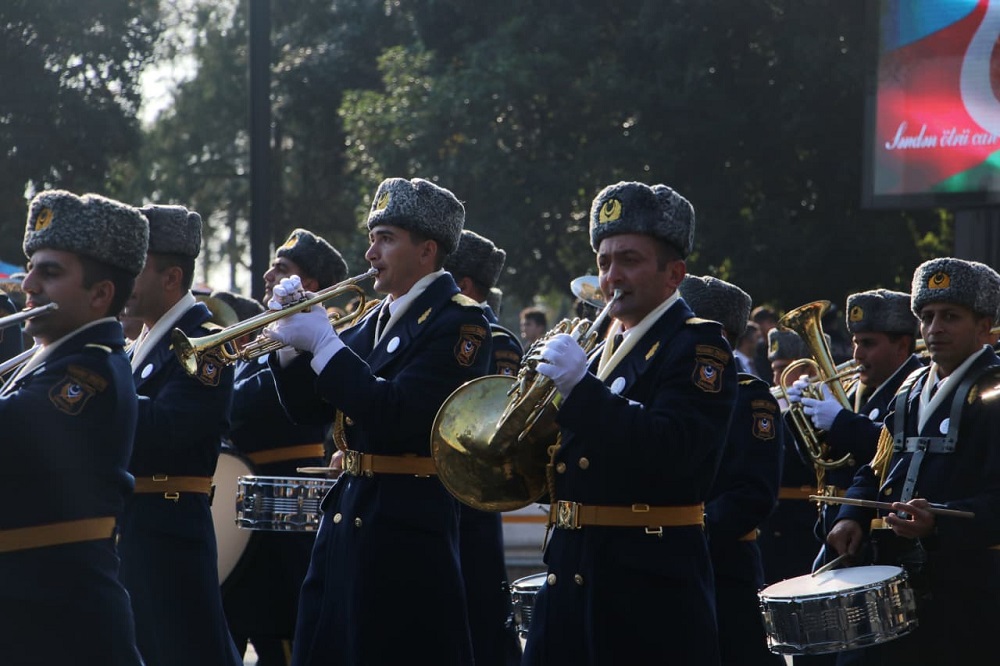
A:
x: 71, y: 90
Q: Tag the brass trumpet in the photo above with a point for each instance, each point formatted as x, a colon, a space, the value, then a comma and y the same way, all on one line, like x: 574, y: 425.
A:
x: 24, y: 315
x: 223, y: 347
x: 491, y: 437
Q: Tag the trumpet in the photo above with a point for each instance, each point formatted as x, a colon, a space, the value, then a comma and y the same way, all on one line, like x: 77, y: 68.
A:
x: 24, y: 315
x: 223, y: 348
x: 11, y: 365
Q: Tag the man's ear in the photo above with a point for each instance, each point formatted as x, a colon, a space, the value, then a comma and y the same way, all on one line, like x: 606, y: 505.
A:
x: 101, y: 295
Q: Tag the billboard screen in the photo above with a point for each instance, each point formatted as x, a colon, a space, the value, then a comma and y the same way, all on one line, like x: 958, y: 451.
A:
x: 932, y: 135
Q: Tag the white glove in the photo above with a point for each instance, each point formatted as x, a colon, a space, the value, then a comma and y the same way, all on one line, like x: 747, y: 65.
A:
x: 563, y: 361
x: 287, y: 291
x: 794, y: 392
x: 309, y: 331
x: 822, y: 412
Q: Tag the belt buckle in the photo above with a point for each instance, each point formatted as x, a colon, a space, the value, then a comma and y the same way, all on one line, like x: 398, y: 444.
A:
x: 352, y: 462
x: 567, y: 515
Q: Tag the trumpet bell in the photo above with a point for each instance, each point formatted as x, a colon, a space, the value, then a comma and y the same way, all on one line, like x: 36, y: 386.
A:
x: 484, y: 467
x: 588, y: 289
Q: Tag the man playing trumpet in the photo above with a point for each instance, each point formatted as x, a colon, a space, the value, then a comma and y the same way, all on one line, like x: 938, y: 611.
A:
x: 883, y: 331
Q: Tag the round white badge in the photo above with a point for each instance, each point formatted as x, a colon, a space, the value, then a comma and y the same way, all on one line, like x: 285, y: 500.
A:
x: 393, y: 345
x: 262, y: 359
x: 618, y: 385
x: 874, y: 414
x: 147, y: 371
x: 944, y: 426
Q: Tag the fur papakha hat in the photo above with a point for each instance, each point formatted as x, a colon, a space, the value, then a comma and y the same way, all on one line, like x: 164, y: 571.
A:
x: 951, y: 280
x: 785, y: 346
x: 880, y: 311
x: 173, y: 230
x: 103, y: 229
x: 712, y: 298
x: 315, y: 256
x: 637, y: 208
x: 421, y: 206
x: 478, y: 258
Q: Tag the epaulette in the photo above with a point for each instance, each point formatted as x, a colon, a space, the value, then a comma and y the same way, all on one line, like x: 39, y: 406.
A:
x: 212, y: 326
x: 94, y: 345
x: 465, y: 301
x: 694, y: 321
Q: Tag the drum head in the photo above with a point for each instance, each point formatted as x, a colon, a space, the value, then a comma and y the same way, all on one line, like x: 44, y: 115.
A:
x: 231, y: 540
x: 530, y: 583
x: 837, y: 580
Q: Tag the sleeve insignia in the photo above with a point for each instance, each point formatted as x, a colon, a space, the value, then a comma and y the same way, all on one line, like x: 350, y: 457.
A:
x: 422, y: 318
x: 763, y: 425
x: 709, y: 364
x: 470, y: 339
x: 507, y: 369
x: 210, y: 368
x: 73, y: 391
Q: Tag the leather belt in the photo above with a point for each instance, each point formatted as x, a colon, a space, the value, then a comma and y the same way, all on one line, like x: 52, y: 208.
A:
x: 56, y: 534
x: 370, y: 464
x: 283, y: 454
x: 798, y: 492
x: 568, y: 515
x: 749, y: 536
x: 173, y: 486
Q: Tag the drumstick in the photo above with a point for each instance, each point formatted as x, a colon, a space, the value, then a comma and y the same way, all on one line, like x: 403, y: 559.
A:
x: 887, y: 506
x: 831, y: 564
x: 319, y: 470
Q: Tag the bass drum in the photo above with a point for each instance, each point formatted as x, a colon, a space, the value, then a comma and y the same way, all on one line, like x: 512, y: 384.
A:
x: 231, y: 540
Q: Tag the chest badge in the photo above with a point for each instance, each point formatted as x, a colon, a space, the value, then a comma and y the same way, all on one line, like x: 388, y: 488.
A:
x: 393, y: 345
x: 146, y: 371
x: 618, y: 385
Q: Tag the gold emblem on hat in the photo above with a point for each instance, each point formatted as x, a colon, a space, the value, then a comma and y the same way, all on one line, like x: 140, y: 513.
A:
x: 939, y: 280
x: 774, y: 345
x: 291, y: 242
x: 382, y: 202
x: 610, y: 211
x: 44, y: 219
x: 857, y: 313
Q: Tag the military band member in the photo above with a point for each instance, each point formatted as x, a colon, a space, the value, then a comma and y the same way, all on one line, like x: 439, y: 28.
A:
x: 883, y: 332
x: 68, y: 419
x: 745, y: 491
x: 787, y: 540
x: 168, y: 548
x: 11, y: 339
x: 939, y: 446
x: 476, y: 265
x: 275, y: 566
x: 643, y: 425
x: 385, y: 581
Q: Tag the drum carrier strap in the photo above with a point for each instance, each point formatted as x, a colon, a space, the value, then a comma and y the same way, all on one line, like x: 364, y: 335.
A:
x: 919, y: 446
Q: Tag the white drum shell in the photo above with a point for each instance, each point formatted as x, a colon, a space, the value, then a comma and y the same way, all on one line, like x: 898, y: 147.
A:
x: 837, y: 610
x: 231, y: 541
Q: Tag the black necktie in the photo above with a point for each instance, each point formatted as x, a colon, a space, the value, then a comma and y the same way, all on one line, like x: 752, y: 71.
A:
x: 383, y: 319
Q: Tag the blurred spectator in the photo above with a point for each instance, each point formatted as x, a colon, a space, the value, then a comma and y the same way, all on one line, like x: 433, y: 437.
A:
x: 534, y: 324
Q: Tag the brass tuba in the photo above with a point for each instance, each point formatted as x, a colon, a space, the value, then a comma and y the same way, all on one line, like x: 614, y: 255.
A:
x: 491, y: 437
x: 806, y: 321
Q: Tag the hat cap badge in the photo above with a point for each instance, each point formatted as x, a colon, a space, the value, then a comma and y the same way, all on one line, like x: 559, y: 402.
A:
x: 610, y: 211
x: 939, y: 280
x: 382, y: 202
x: 857, y: 313
x: 44, y: 219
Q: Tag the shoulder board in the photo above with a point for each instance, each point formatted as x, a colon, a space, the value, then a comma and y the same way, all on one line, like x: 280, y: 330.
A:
x: 212, y: 326
x: 94, y: 345
x: 695, y: 321
x: 465, y: 301
x: 746, y: 380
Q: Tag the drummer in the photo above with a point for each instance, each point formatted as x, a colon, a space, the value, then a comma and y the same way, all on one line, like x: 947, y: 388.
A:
x: 275, y: 563
x: 938, y: 446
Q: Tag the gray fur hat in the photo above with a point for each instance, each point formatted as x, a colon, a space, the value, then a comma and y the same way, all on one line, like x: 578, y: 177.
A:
x: 173, y: 230
x: 109, y: 231
x: 476, y: 257
x: 421, y: 206
x: 243, y: 307
x: 881, y: 311
x: 951, y: 280
x: 315, y: 256
x: 493, y: 299
x: 637, y: 208
x: 724, y: 302
x: 785, y: 345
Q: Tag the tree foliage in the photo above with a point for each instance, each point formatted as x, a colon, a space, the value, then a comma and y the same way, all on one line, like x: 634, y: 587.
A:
x: 70, y: 71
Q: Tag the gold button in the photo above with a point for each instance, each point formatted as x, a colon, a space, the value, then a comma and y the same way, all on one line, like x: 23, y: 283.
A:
x: 337, y: 518
x: 348, y: 421
x: 584, y: 463
x: 551, y: 579
x: 887, y: 492
x: 578, y: 579
x: 561, y: 467
x: 357, y: 522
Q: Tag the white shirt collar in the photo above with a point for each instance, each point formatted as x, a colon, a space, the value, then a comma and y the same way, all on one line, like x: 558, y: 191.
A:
x: 149, y: 338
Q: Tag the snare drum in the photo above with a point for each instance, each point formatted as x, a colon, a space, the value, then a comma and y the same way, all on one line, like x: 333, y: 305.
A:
x: 522, y: 592
x: 232, y: 542
x: 280, y: 503
x: 837, y: 610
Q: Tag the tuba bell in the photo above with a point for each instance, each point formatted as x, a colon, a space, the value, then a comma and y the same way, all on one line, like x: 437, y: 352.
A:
x: 491, y: 438
x: 806, y: 321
